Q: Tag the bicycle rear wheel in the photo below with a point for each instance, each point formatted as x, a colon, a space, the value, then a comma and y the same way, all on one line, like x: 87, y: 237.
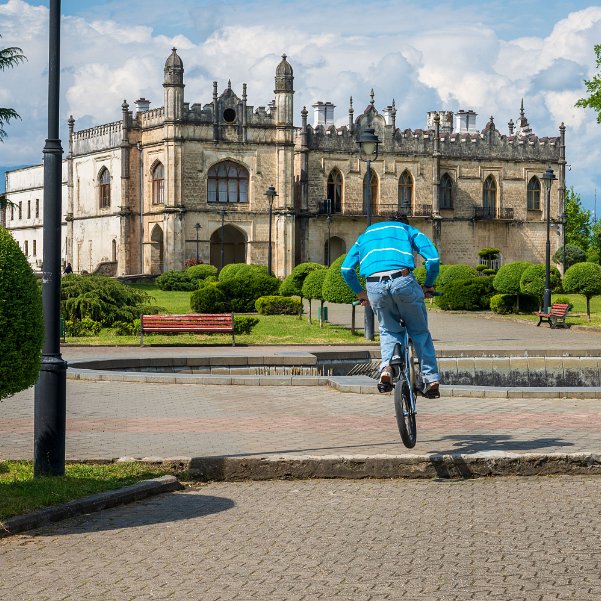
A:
x: 405, y: 414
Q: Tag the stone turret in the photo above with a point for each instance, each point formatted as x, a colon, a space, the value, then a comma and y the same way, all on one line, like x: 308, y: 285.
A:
x: 174, y: 87
x: 284, y: 79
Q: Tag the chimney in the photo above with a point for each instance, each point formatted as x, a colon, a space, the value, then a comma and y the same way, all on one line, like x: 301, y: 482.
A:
x: 142, y: 106
x: 446, y: 120
x: 319, y: 114
x: 329, y: 113
x: 465, y: 121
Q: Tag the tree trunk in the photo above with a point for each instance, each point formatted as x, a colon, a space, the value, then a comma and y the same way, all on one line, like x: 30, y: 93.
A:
x: 321, y: 314
x: 310, y: 311
x: 588, y: 307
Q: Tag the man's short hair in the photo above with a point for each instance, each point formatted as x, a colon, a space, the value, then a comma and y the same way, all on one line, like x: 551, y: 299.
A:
x: 402, y: 217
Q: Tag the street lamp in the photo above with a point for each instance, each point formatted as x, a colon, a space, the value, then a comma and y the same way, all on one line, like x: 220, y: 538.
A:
x: 271, y: 194
x: 368, y: 146
x: 222, y: 212
x: 197, y: 228
x: 50, y: 396
x: 548, y: 178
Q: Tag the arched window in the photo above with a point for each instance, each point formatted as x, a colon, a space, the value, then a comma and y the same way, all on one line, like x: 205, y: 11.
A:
x: 405, y: 192
x: 158, y: 184
x: 445, y: 192
x: 533, y: 202
x: 489, y: 196
x: 374, y: 192
x: 104, y: 188
x: 227, y: 182
x: 335, y: 190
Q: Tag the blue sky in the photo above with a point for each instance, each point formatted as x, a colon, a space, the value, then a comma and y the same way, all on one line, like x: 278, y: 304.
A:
x: 452, y: 55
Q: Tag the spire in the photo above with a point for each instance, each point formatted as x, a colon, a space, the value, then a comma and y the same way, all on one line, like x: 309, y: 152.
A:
x: 372, y: 101
x: 523, y: 127
x: 174, y: 69
x: 284, y: 76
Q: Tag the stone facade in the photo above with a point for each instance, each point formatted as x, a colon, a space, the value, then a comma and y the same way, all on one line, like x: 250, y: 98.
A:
x: 163, y: 186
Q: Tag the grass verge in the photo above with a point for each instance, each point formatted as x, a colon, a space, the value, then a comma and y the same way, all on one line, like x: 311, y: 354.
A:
x: 20, y: 493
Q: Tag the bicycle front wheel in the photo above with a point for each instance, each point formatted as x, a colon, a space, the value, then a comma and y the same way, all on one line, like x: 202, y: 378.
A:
x: 405, y: 414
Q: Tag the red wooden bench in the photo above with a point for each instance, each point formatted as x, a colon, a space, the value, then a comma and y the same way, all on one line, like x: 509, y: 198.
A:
x: 194, y: 323
x: 556, y: 316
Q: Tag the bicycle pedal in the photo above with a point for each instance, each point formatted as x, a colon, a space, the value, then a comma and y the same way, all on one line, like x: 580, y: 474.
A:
x: 385, y: 387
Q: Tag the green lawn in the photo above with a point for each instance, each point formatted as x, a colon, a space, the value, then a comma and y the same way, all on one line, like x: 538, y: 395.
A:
x: 577, y: 316
x: 20, y: 493
x: 173, y: 301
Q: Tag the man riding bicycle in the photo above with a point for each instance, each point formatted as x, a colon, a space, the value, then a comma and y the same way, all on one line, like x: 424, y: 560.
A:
x: 384, y: 254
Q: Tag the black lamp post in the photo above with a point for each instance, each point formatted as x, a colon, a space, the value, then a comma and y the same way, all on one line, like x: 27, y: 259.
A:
x: 197, y: 228
x: 329, y: 222
x: 271, y: 194
x: 50, y: 402
x: 548, y: 178
x: 368, y: 145
x: 222, y: 212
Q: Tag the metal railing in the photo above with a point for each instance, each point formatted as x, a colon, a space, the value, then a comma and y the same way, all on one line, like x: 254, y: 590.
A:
x: 502, y: 214
x: 357, y: 209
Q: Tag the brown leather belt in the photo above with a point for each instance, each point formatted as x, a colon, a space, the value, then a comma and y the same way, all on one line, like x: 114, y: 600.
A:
x: 391, y: 276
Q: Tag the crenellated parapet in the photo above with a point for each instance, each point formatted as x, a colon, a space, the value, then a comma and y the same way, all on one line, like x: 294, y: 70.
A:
x: 109, y: 135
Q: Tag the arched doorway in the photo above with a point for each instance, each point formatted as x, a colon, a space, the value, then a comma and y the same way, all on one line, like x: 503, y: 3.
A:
x: 156, y: 250
x: 234, y: 246
x: 337, y: 249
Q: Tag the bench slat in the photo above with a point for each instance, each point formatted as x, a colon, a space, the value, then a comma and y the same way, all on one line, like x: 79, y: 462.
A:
x: 206, y: 323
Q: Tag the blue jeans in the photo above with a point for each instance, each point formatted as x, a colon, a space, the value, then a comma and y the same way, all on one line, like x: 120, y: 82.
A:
x: 403, y: 298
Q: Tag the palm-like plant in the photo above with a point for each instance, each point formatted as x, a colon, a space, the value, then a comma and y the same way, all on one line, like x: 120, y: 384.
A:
x: 9, y: 57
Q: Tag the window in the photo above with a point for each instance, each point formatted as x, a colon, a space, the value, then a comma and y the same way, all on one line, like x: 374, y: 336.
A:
x: 227, y: 182
x: 29, y: 209
x: 20, y: 210
x: 533, y: 202
x: 405, y: 192
x: 158, y: 184
x: 374, y: 193
x: 26, y: 251
x: 104, y: 185
x: 37, y: 207
x: 489, y: 196
x: 12, y: 213
x: 35, y: 248
x: 445, y: 192
x: 335, y: 190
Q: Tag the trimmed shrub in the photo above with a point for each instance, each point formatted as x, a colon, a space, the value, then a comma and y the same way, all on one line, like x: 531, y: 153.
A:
x: 201, y: 272
x: 334, y: 288
x: 533, y: 278
x: 208, y: 281
x: 102, y: 299
x: 472, y: 294
x: 208, y: 299
x: 489, y: 271
x: 313, y: 288
x: 83, y: 327
x: 585, y: 279
x: 507, y: 280
x: 454, y: 273
x: 488, y: 254
x: 243, y: 324
x: 563, y: 300
x: 234, y: 269
x: 503, y: 303
x: 21, y: 319
x: 278, y: 305
x: 420, y: 274
x: 574, y: 254
x: 246, y: 286
x: 481, y: 267
x: 175, y: 280
x: 293, y: 284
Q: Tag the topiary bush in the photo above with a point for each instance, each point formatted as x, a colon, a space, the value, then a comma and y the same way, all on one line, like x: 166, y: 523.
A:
x: 563, y: 300
x: 209, y: 299
x: 243, y: 324
x: 21, y: 319
x: 574, y: 254
x: 234, y: 269
x: 245, y: 286
x: 102, y: 299
x: 585, y: 279
x: 293, y: 284
x: 507, y: 280
x: 83, y: 327
x: 313, y: 289
x: 488, y: 254
x: 278, y: 305
x: 533, y: 279
x: 472, y: 294
x: 453, y: 273
x: 335, y: 289
x: 503, y: 303
x: 201, y: 272
x: 176, y: 280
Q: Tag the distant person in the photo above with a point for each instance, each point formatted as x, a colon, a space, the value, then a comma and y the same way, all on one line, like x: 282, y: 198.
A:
x: 68, y: 269
x: 384, y: 254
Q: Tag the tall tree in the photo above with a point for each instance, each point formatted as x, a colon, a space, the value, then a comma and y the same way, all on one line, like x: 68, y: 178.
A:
x: 578, y: 221
x: 9, y: 57
x: 593, y: 87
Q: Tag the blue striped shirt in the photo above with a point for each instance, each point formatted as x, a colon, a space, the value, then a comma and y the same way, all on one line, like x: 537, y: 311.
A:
x: 387, y: 246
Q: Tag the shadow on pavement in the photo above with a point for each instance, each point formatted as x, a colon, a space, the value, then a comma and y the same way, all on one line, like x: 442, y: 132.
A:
x: 164, y: 508
x: 479, y: 443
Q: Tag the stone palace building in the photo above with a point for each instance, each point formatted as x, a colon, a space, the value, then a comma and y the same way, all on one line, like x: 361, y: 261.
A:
x: 161, y: 186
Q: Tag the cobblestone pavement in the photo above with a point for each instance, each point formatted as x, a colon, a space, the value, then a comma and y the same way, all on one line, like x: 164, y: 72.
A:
x: 116, y: 419
x: 509, y: 539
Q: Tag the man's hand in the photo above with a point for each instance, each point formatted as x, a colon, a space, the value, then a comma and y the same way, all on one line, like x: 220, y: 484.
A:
x: 428, y: 291
x: 362, y: 296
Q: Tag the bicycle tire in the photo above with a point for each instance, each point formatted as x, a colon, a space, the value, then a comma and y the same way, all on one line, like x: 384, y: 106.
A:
x: 405, y: 415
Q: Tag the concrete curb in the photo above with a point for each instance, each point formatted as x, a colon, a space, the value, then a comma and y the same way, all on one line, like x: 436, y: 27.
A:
x: 452, y: 466
x: 104, y: 500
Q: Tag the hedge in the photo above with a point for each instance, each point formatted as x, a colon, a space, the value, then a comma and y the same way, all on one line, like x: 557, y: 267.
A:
x: 533, y: 281
x: 209, y: 299
x: 175, y: 280
x: 278, y: 305
x: 472, y: 294
x: 201, y: 272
